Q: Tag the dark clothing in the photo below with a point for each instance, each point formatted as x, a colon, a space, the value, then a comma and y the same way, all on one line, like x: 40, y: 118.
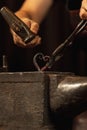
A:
x: 71, y: 4
x: 74, y: 4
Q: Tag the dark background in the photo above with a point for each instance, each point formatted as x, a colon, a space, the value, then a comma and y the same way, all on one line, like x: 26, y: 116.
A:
x: 54, y: 29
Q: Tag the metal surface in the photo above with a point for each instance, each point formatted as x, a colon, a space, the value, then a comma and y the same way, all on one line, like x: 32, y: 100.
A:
x: 40, y: 100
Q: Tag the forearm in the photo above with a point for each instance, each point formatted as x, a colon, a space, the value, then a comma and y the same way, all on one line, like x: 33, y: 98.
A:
x: 35, y: 9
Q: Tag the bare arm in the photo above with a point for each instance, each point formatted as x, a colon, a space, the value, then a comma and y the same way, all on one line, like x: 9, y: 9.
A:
x: 36, y: 9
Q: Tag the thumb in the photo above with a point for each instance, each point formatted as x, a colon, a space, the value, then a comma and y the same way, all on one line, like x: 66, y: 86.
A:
x: 34, y: 27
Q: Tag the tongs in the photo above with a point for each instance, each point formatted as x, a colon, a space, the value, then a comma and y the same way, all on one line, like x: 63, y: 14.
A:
x: 60, y: 50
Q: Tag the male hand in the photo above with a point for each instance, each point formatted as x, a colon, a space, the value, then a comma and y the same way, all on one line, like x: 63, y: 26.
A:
x: 83, y: 9
x: 34, y: 28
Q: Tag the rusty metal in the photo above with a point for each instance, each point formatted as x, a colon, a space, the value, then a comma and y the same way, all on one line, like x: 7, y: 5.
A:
x: 40, y: 100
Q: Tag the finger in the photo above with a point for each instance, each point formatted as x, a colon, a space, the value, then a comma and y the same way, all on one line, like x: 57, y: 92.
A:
x: 34, y: 27
x: 18, y: 41
x: 83, y: 13
x: 36, y: 41
x: 27, y: 21
x: 83, y: 10
x: 31, y: 24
